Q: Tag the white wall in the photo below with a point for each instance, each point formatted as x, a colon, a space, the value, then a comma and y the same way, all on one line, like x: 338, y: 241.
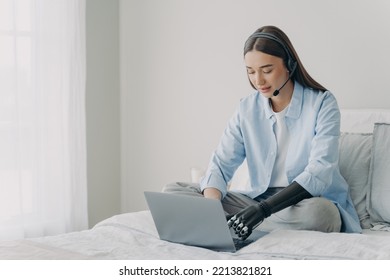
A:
x: 102, y: 109
x: 182, y: 73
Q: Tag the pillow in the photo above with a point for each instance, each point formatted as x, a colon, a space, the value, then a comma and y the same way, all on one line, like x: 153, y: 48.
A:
x: 354, y: 164
x: 378, y: 198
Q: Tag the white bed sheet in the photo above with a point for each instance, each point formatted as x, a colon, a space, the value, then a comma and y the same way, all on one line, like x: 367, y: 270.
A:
x: 133, y: 236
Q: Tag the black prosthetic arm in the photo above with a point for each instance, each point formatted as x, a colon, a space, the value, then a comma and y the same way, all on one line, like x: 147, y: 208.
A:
x: 290, y: 195
x: 244, y: 221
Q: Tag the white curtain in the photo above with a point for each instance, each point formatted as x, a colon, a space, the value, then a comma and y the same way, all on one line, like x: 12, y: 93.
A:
x: 43, y: 188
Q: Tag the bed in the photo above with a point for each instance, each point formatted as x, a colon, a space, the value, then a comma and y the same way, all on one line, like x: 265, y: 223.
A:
x: 364, y: 161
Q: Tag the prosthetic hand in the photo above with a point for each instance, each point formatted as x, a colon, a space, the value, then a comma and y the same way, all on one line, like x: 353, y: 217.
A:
x: 250, y: 217
x: 247, y: 219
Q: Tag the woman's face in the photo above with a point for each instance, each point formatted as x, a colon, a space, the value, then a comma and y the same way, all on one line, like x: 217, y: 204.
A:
x: 266, y: 72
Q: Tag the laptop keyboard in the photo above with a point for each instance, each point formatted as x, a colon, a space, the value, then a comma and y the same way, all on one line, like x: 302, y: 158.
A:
x: 238, y: 243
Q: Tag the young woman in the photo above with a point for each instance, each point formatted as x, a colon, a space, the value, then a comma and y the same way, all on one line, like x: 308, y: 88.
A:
x: 288, y: 132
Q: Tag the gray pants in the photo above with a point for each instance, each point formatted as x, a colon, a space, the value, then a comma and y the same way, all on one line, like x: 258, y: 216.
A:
x: 315, y: 213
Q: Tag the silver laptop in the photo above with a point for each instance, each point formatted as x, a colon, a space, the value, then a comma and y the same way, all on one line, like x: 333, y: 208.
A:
x: 194, y: 221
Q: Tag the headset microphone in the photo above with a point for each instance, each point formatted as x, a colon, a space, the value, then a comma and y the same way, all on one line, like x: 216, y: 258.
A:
x: 276, y: 92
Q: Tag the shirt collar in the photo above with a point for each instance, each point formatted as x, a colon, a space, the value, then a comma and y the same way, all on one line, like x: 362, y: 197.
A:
x: 295, y: 106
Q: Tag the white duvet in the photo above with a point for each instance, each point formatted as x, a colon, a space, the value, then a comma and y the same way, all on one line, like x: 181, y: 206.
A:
x: 133, y: 236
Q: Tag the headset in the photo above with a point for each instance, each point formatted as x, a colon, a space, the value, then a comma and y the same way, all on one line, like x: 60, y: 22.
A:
x: 291, y: 64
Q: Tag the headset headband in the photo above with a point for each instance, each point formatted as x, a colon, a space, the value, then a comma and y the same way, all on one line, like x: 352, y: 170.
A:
x: 291, y: 63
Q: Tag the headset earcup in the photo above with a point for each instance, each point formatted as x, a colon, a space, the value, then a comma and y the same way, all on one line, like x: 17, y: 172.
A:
x: 290, y: 65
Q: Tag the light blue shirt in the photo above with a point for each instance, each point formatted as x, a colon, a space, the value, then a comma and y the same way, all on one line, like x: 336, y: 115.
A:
x: 313, y: 121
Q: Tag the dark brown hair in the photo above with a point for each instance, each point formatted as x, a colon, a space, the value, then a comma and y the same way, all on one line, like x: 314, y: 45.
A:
x: 274, y: 48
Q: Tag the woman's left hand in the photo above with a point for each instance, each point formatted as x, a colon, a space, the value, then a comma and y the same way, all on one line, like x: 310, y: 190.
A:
x: 244, y: 221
